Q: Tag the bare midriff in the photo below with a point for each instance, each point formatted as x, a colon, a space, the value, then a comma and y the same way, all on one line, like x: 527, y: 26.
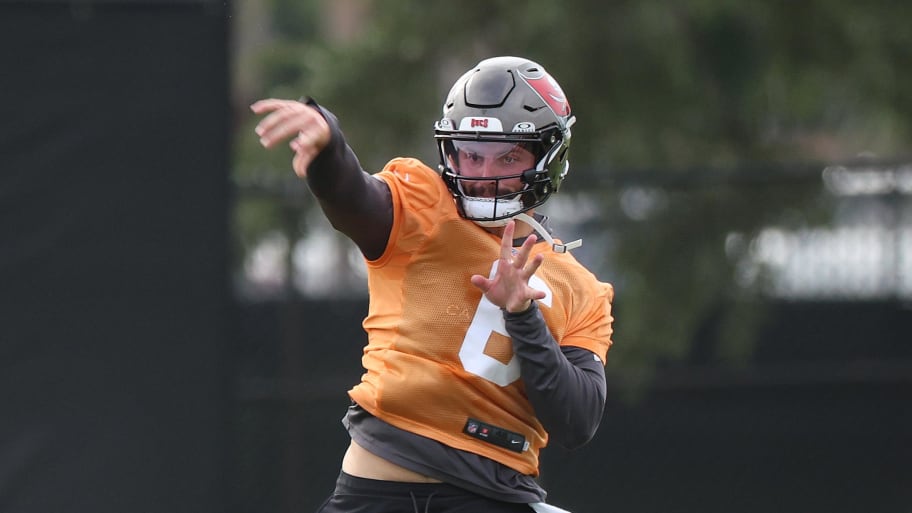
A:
x: 360, y: 462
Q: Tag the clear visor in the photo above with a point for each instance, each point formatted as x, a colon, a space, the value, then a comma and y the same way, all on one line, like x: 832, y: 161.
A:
x: 486, y: 149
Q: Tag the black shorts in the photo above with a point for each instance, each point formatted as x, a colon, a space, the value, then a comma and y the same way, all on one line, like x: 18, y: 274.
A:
x: 359, y: 495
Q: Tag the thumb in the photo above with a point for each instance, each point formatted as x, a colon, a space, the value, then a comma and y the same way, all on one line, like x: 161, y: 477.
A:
x: 302, y: 159
x: 539, y: 294
x: 306, y: 147
x: 481, y: 282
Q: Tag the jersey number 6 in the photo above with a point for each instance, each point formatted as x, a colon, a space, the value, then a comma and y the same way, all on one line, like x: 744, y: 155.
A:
x: 489, y: 319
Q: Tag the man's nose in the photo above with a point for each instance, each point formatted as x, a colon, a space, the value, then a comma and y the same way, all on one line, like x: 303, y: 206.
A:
x: 487, y: 168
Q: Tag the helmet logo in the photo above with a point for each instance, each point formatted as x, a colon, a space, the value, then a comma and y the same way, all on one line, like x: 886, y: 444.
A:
x: 524, y: 126
x: 551, y: 93
x: 479, y: 124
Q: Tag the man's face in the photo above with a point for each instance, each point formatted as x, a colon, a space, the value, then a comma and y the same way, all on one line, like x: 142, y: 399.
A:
x: 475, y: 159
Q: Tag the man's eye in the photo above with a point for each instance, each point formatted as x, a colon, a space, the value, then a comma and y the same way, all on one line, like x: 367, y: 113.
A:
x: 509, y: 159
x: 473, y: 157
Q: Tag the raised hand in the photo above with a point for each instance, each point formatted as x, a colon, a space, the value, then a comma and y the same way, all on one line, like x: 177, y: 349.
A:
x: 509, y: 288
x: 286, y: 119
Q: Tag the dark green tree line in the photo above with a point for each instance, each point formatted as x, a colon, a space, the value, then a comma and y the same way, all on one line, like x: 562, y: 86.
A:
x: 698, y: 103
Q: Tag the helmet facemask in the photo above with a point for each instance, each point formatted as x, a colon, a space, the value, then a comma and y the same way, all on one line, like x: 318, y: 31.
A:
x: 493, y: 180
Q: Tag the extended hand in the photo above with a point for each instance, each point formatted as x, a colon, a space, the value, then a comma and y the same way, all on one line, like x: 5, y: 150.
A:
x: 509, y: 288
x: 289, y: 118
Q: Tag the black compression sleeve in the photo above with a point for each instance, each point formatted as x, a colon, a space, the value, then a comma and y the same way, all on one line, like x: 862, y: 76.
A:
x: 354, y: 203
x: 566, y: 385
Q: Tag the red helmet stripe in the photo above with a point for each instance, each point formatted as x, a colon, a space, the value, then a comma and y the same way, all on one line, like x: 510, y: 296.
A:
x: 551, y: 92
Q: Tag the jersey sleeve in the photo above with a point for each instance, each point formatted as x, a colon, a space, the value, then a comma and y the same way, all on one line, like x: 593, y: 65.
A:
x: 592, y: 327
x: 416, y: 192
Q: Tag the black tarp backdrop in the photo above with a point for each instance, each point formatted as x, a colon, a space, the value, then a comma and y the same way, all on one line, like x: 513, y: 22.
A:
x: 818, y: 421
x: 113, y: 281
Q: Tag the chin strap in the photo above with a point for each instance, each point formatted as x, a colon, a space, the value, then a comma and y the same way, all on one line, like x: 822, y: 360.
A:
x: 557, y: 247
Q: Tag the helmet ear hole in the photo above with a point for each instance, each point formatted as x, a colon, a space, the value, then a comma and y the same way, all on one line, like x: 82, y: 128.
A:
x: 537, y: 185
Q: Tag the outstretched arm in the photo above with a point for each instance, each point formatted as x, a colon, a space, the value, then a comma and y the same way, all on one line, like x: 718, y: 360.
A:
x: 354, y: 203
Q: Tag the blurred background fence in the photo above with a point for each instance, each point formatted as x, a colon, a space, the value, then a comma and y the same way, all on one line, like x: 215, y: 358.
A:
x: 809, y: 411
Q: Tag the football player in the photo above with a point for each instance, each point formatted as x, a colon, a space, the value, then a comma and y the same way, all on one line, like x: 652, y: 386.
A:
x: 486, y: 338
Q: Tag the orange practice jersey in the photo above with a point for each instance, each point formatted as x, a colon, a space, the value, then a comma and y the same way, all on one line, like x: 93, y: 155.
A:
x: 438, y: 353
